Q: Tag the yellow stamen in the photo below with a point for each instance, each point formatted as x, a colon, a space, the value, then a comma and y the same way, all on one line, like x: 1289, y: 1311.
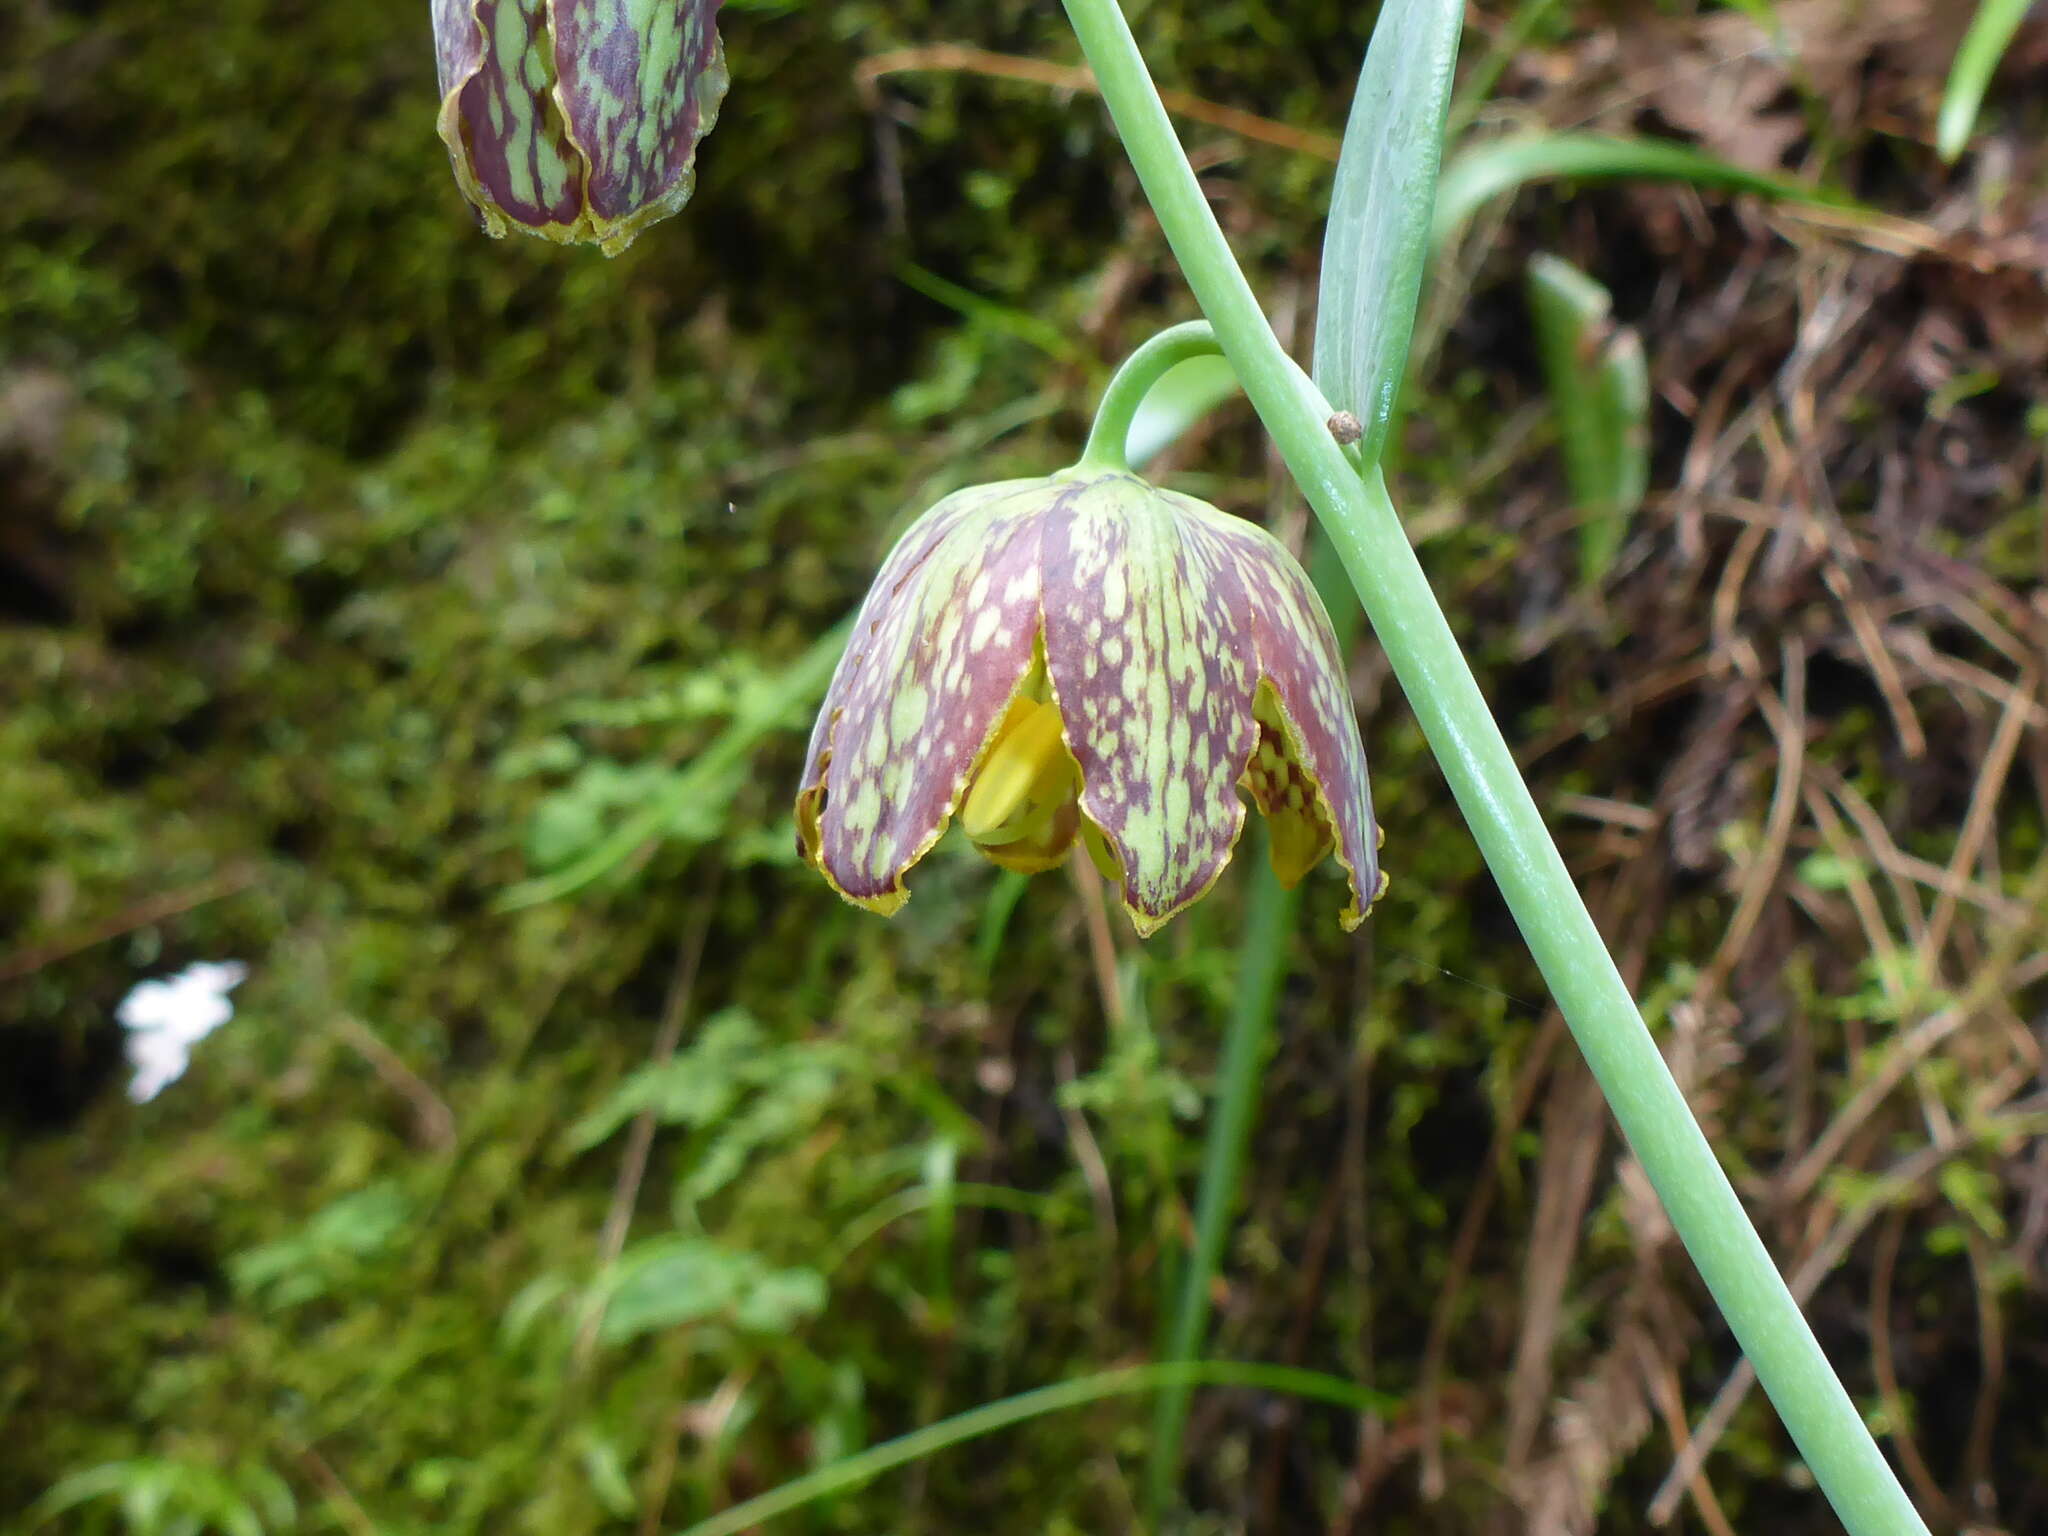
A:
x: 1299, y: 842
x: 1023, y: 777
x: 1043, y: 843
x: 1280, y: 785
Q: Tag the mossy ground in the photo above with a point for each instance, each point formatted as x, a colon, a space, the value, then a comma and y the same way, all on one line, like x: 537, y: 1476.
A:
x: 353, y: 567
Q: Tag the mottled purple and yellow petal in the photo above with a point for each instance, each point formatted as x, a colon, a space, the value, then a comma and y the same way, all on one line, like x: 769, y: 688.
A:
x: 640, y: 82
x: 1150, y: 658
x: 947, y: 633
x: 576, y: 120
x: 1297, y: 655
x: 507, y: 140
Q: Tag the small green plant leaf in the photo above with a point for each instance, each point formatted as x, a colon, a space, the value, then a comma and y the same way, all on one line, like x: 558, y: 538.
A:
x: 697, y: 1087
x: 1991, y: 30
x: 780, y: 703
x: 1600, y: 391
x: 166, y: 1496
x: 1377, y: 239
x: 671, y: 1281
x: 327, y: 1253
x: 1476, y: 175
x: 1976, y: 1193
x: 606, y: 1471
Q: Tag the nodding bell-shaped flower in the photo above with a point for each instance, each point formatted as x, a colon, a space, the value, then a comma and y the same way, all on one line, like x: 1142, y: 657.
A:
x: 1087, y: 656
x: 577, y: 120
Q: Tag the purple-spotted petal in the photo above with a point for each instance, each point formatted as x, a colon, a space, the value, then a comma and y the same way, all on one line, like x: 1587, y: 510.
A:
x: 641, y: 84
x: 1150, y: 655
x: 1297, y: 653
x: 946, y: 634
x: 509, y: 144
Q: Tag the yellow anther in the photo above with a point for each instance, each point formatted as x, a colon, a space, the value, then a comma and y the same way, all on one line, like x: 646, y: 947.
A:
x: 1299, y: 841
x: 1026, y: 772
x: 1040, y: 844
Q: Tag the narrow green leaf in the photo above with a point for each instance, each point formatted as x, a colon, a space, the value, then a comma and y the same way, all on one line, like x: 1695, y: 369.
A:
x: 1600, y: 391
x: 1991, y: 29
x: 1501, y: 165
x: 1481, y: 78
x: 1262, y: 969
x: 606, y: 1471
x: 1377, y: 239
x: 841, y: 1476
x: 906, y: 1202
x: 941, y: 1176
x: 976, y: 309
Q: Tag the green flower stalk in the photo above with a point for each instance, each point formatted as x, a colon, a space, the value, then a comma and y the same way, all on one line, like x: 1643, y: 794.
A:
x: 577, y: 120
x: 1087, y: 656
x: 1350, y: 497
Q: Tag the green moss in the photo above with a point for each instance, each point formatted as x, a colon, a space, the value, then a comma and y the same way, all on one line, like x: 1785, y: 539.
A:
x: 349, y: 561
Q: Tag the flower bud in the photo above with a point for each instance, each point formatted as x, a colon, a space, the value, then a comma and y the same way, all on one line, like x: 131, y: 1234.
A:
x: 577, y: 120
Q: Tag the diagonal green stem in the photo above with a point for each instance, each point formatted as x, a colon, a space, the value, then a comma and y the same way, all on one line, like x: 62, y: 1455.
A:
x: 1368, y: 536
x: 1261, y: 968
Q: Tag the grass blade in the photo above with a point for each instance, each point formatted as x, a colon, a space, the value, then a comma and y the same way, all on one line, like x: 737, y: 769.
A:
x: 1486, y: 170
x: 1261, y: 967
x: 1600, y: 392
x: 844, y: 1475
x: 1991, y: 29
x: 1378, y: 237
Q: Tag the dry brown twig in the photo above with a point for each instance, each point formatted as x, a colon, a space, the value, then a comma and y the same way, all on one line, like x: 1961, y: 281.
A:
x: 1788, y: 725
x: 956, y: 58
x: 1995, y: 1116
x: 1926, y: 1491
x: 231, y: 881
x: 433, y: 1120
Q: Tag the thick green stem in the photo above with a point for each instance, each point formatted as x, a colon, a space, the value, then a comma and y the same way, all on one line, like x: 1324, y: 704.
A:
x: 1129, y: 385
x: 1261, y: 967
x: 1368, y: 536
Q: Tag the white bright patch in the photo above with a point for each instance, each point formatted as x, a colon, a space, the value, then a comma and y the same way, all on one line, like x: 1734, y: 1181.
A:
x: 165, y: 1019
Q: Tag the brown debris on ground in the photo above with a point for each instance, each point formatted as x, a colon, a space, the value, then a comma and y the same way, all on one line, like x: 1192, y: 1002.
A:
x: 1815, y: 683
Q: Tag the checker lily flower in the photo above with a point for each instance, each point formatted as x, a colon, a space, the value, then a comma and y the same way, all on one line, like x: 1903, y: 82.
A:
x: 577, y: 120
x: 1089, y: 657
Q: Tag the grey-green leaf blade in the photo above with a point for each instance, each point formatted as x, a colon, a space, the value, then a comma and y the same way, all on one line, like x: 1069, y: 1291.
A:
x: 1378, y: 236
